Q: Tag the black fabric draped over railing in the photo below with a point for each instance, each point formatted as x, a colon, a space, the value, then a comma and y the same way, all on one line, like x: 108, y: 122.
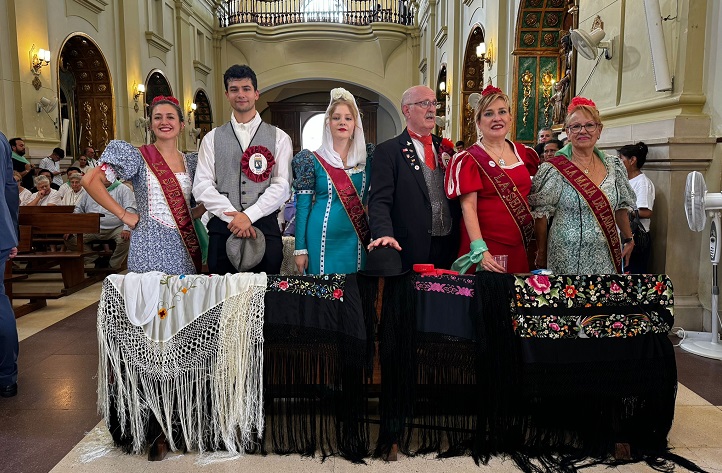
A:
x: 285, y: 12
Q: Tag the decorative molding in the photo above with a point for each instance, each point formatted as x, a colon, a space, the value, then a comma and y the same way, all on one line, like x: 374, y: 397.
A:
x: 159, y: 43
x: 468, y: 2
x: 441, y: 36
x: 95, y: 6
x: 184, y: 6
x: 423, y: 66
x: 201, y: 69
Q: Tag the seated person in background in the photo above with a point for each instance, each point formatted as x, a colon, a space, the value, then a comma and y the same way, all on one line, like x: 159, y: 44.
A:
x: 65, y: 187
x: 459, y: 146
x: 83, y: 162
x: 52, y: 164
x: 550, y: 149
x: 111, y: 227
x: 49, y: 176
x: 45, y: 195
x: 75, y: 191
x: 25, y: 195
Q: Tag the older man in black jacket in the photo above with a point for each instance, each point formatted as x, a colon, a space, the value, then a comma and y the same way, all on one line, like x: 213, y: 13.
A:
x: 408, y: 208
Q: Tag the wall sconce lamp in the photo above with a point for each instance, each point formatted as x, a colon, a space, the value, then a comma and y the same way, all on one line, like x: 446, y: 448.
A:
x: 38, y: 59
x: 193, y: 131
x: 442, y: 89
x: 138, y: 90
x: 484, y: 55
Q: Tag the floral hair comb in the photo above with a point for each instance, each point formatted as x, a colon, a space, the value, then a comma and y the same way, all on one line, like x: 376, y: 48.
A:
x: 169, y: 98
x: 490, y: 89
x: 577, y: 101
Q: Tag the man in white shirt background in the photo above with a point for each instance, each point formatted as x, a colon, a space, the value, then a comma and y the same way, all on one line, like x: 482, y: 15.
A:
x: 52, y: 164
x: 243, y: 176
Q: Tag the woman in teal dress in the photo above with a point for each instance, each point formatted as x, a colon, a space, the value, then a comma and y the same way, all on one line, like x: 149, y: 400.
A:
x: 326, y: 239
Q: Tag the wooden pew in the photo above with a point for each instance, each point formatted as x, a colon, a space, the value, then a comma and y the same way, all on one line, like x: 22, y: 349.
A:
x: 24, y: 245
x: 71, y: 263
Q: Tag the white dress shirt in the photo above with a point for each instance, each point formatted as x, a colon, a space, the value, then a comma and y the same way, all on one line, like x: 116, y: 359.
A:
x: 52, y: 166
x: 204, y: 185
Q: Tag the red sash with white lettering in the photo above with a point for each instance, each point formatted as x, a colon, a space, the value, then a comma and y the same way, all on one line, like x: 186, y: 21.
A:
x: 349, y: 199
x: 597, y: 201
x: 176, y: 201
x: 513, y: 200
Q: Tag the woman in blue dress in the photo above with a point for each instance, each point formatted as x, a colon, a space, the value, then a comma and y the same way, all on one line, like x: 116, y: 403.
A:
x: 156, y: 243
x: 326, y: 239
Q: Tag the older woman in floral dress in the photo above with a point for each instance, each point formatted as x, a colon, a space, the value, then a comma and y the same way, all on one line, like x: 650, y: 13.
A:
x: 588, y: 195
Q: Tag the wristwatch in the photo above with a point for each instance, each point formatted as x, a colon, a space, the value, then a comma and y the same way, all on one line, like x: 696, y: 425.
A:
x: 626, y: 240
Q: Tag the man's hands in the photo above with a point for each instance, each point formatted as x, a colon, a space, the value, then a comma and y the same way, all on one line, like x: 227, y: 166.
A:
x: 125, y: 234
x: 241, y: 226
x: 385, y: 241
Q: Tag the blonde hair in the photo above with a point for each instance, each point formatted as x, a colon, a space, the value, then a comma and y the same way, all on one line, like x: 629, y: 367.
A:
x: 585, y: 108
x: 487, y: 100
x: 339, y: 101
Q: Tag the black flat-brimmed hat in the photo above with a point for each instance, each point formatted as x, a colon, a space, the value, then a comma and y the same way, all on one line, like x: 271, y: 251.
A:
x: 383, y: 261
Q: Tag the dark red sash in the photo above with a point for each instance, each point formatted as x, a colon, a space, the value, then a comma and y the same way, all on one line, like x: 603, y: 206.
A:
x: 176, y: 202
x: 514, y: 201
x: 598, y: 203
x: 349, y: 199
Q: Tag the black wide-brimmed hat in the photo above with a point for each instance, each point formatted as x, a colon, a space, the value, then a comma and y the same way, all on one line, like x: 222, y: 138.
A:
x: 383, y: 261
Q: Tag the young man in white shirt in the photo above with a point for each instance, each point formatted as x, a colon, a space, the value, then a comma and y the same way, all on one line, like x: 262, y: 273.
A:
x: 243, y: 176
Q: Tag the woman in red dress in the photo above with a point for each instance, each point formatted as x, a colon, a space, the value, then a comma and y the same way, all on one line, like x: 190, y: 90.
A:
x: 492, y: 179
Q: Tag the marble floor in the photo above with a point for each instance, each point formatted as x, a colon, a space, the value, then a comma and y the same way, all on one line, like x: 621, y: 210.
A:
x: 52, y: 424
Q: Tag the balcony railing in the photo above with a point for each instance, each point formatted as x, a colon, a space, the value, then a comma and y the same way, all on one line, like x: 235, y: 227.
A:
x: 286, y: 12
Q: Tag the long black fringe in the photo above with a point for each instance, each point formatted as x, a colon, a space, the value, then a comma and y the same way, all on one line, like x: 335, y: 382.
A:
x: 314, y: 393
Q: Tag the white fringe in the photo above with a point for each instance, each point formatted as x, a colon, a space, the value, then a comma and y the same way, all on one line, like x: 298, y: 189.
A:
x: 145, y: 383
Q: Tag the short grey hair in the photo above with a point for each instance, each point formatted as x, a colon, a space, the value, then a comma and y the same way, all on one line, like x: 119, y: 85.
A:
x: 41, y: 179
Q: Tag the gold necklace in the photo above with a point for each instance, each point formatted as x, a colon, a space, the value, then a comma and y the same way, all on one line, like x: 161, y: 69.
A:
x: 586, y: 168
x: 499, y: 157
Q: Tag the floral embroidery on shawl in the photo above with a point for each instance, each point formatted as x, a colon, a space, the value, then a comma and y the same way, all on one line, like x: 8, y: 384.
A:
x: 328, y: 286
x: 595, y: 306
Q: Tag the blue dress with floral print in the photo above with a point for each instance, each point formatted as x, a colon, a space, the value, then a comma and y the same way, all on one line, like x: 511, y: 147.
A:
x: 155, y: 243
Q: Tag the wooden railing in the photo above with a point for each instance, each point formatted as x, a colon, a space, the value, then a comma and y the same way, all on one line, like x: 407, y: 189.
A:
x: 285, y: 12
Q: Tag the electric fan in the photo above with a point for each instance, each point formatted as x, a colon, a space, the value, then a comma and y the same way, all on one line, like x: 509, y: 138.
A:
x: 697, y: 202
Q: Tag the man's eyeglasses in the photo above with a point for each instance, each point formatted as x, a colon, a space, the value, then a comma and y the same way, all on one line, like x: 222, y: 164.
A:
x: 590, y: 127
x: 425, y: 103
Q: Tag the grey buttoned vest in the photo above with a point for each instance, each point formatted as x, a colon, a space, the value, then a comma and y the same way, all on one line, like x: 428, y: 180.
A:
x: 230, y: 179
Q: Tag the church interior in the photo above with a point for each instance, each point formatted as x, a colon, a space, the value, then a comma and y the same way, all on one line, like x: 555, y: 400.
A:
x: 80, y: 73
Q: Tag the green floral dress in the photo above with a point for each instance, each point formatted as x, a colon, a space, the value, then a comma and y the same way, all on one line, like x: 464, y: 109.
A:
x: 576, y: 244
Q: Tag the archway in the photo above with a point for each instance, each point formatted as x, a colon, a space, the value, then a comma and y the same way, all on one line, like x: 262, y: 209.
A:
x: 156, y: 84
x: 203, y: 115
x: 86, y: 93
x: 472, y: 82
